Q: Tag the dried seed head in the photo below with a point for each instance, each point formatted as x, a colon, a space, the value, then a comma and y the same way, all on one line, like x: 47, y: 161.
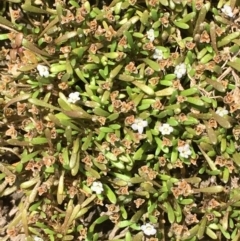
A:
x: 199, y: 4
x: 132, y: 2
x: 49, y: 160
x: 93, y: 25
x: 181, y: 99
x: 234, y: 182
x: 165, y: 20
x: 101, y: 120
x: 47, y: 38
x: 200, y: 128
x: 121, y: 55
x: 79, y: 18
x: 152, y: 174
x: 10, y: 179
x: 153, y: 81
x: 13, y: 232
x: 230, y: 166
x: 87, y: 160
x: 90, y: 181
x: 131, y: 68
x: 217, y: 58
x: 213, y: 203
x: 117, y: 151
x: 123, y: 191
x: 34, y: 110
x: 212, y: 123
x: 114, y: 217
x: 63, y: 85
x: 219, y: 31
x: 113, y: 138
x: 182, y: 117
x: 166, y: 142
x: 178, y: 164
x: 117, y: 105
x: 16, y: 14
x: 21, y: 108
x: 98, y: 201
x: 191, y: 218
x: 82, y: 234
x: 236, y: 132
x: 190, y: 45
x: 114, y: 95
x: 42, y: 189
x: 123, y: 42
x: 177, y: 85
x: 148, y: 71
x: 225, y: 54
x: 65, y: 49
x: 126, y: 143
x: 153, y: 3
x: 210, y: 217
x: 138, y: 202
x: 129, y: 120
x: 50, y: 49
x: 3, y: 87
x: 11, y: 132
x: 148, y: 46
x: 157, y: 105
x: 221, y: 161
x: 110, y: 17
x: 99, y: 31
x: 162, y: 161
x: 229, y: 98
x: 110, y: 33
x: 204, y: 37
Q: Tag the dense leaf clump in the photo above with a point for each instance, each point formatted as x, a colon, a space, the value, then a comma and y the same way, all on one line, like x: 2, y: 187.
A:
x: 120, y: 120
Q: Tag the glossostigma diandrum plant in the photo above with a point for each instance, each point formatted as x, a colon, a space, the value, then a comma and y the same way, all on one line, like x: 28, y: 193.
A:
x: 120, y: 120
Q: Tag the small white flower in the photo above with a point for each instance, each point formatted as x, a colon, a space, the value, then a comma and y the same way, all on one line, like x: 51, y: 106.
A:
x: 148, y: 229
x: 73, y: 97
x: 165, y: 129
x: 180, y: 70
x: 227, y: 10
x: 36, y: 238
x: 221, y: 111
x: 139, y: 125
x: 158, y: 54
x: 150, y: 35
x: 184, y: 151
x: 43, y: 70
x: 97, y: 187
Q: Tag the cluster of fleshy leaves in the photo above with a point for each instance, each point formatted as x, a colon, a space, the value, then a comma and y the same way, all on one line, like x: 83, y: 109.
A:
x: 123, y: 117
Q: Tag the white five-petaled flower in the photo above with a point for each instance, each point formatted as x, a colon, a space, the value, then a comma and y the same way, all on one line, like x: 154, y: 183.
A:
x: 139, y: 125
x: 158, y: 54
x: 150, y: 35
x: 43, y: 70
x: 148, y: 229
x: 36, y: 238
x: 97, y: 187
x: 165, y: 129
x: 221, y: 111
x: 227, y: 10
x: 180, y: 70
x: 184, y: 151
x: 73, y: 97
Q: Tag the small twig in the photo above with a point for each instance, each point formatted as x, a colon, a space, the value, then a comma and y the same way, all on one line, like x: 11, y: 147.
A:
x: 113, y: 233
x: 122, y: 234
x: 10, y: 150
